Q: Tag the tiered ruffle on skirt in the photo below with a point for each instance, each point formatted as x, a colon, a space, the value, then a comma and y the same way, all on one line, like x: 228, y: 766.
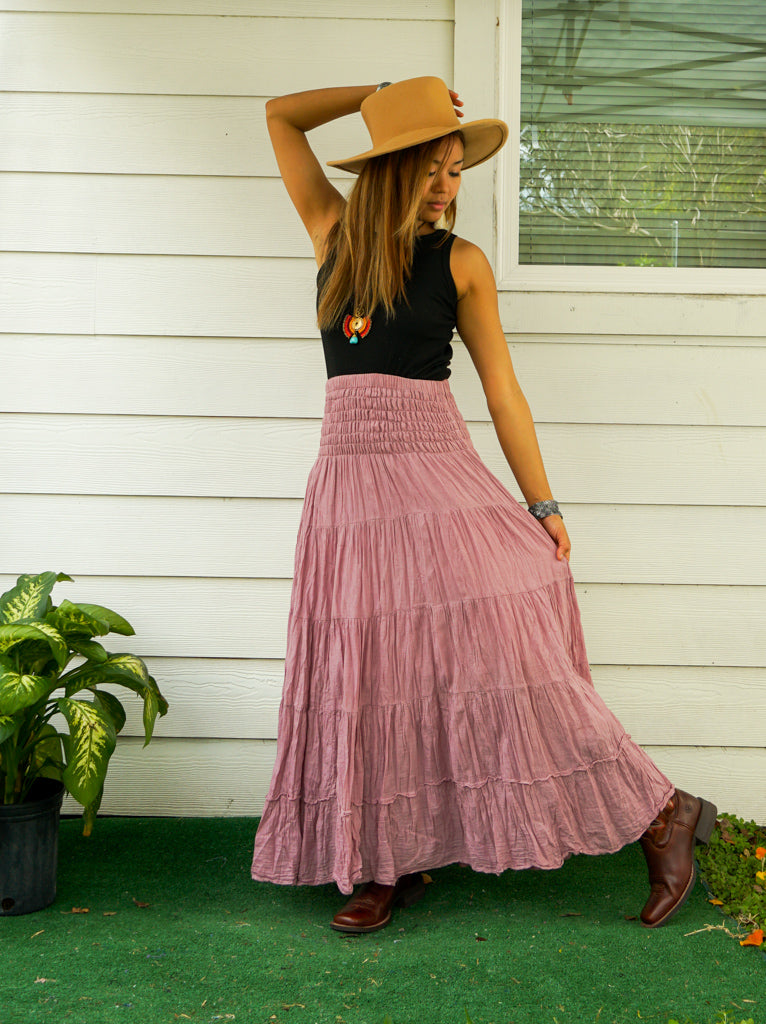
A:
x: 437, y: 703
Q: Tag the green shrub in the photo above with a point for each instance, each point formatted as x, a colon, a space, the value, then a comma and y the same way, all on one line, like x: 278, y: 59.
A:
x: 734, y: 873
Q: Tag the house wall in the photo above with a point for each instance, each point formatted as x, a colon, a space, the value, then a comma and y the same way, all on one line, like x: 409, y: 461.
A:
x: 163, y: 389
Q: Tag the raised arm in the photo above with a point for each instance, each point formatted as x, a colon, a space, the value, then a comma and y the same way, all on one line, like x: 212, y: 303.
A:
x: 479, y: 326
x: 318, y: 202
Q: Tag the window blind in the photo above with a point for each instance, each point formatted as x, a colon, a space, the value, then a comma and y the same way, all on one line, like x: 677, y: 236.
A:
x: 643, y: 133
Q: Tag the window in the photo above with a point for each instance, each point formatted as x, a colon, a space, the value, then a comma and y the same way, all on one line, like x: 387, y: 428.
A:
x: 642, y: 134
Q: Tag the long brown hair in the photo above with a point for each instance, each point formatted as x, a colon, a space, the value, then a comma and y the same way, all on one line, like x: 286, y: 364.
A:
x: 369, y: 250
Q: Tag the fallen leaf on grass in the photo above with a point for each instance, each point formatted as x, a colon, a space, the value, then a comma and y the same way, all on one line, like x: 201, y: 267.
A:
x: 37, y: 933
x: 570, y: 913
x: 480, y: 938
x: 77, y: 910
x: 43, y: 981
x: 754, y: 938
x: 110, y: 913
x: 716, y: 903
x: 138, y: 903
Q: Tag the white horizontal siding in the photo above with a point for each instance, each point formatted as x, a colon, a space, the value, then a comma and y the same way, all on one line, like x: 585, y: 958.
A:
x: 202, y: 55
x: 125, y: 134
x: 423, y: 10
x: 149, y: 214
x: 164, y: 384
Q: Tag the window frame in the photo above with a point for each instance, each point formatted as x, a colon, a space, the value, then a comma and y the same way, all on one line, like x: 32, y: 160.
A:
x: 514, y: 276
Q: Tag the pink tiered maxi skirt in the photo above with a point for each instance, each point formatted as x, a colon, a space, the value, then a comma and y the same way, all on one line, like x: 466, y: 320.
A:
x: 437, y: 703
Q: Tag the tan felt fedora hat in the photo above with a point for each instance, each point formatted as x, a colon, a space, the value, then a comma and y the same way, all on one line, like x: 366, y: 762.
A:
x: 419, y: 110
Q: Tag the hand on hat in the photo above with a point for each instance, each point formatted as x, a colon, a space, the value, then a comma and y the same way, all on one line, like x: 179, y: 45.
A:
x: 457, y: 102
x: 416, y: 110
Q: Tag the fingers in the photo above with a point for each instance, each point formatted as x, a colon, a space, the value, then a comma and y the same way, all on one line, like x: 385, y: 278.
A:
x: 457, y: 102
x: 564, y: 548
x: 555, y: 527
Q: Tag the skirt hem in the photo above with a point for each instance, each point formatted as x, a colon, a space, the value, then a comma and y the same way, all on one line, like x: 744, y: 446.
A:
x: 347, y: 888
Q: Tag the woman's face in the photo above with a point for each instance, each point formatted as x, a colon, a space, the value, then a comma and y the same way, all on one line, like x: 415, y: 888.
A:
x: 442, y: 183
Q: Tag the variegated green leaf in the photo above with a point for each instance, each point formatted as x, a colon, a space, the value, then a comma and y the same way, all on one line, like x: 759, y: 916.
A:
x: 29, y: 598
x: 47, y: 753
x: 90, y: 649
x: 116, y: 622
x: 111, y: 706
x: 92, y: 740
x: 19, y: 691
x: 90, y: 812
x: 17, y: 632
x: 73, y: 622
x: 8, y: 726
x: 152, y: 708
x: 126, y: 670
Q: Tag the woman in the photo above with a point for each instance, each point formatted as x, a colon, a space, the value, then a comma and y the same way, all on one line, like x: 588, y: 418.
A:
x: 438, y: 705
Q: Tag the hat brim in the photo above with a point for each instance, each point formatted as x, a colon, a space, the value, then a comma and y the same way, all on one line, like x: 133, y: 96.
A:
x: 483, y: 139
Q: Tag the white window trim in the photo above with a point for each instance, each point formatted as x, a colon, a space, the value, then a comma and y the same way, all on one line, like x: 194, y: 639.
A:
x: 511, y: 275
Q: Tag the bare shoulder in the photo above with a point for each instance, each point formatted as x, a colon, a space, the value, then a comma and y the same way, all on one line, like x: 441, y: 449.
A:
x: 470, y: 267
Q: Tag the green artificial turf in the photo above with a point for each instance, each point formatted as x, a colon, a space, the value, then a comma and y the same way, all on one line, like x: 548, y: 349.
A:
x: 177, y: 931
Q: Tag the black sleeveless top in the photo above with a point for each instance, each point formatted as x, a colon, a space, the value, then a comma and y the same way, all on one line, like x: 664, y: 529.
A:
x: 415, y: 342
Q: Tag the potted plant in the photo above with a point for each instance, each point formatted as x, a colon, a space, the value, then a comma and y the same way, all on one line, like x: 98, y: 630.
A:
x: 58, y: 727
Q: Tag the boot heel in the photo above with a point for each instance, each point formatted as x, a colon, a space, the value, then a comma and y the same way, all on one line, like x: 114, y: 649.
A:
x: 414, y: 892
x: 706, y: 822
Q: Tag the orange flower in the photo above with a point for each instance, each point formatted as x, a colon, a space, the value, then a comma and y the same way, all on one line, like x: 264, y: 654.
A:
x: 754, y: 938
x: 760, y: 853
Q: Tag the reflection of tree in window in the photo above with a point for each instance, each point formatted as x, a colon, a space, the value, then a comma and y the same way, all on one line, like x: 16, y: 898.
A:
x: 642, y: 138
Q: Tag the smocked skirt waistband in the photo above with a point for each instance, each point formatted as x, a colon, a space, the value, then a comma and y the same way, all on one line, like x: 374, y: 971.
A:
x: 380, y: 412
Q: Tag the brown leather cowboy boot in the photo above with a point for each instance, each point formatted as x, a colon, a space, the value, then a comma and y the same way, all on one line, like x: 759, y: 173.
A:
x: 668, y: 846
x: 370, y: 908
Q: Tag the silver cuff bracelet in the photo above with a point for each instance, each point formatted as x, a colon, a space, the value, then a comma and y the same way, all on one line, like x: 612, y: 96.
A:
x: 541, y: 509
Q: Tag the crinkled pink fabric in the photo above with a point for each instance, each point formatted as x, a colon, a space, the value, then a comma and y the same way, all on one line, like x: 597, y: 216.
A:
x: 437, y: 703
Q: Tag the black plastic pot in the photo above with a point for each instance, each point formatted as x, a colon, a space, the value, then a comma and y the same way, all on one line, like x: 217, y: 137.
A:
x: 29, y: 840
